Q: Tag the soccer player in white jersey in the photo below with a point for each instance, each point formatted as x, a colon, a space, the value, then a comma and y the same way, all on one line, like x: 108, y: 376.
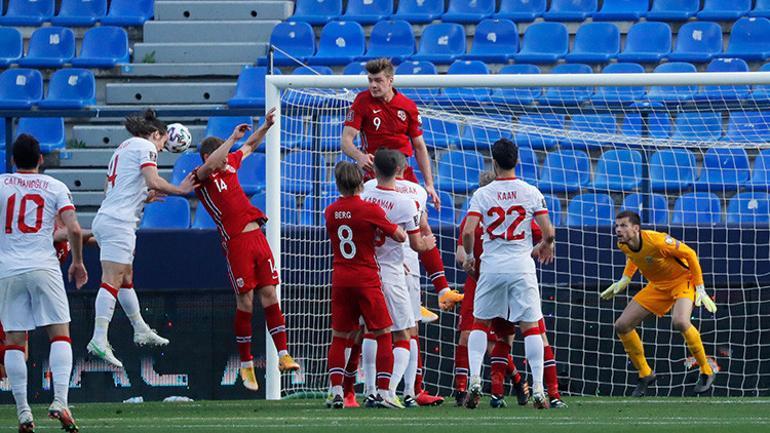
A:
x: 31, y: 287
x: 132, y: 181
x: 507, y: 289
x: 402, y: 211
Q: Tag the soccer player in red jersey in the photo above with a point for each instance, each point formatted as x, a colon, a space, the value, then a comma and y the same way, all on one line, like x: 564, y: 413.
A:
x: 354, y: 227
x: 250, y: 263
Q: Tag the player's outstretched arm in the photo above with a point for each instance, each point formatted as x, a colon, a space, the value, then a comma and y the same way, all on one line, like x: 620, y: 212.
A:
x: 255, y: 139
x: 423, y: 162
x: 154, y: 181
x: 471, y: 222
x: 218, y: 158
x: 620, y: 285
x: 77, y: 271
x: 420, y: 243
x: 545, y: 249
x: 399, y: 235
x: 365, y: 161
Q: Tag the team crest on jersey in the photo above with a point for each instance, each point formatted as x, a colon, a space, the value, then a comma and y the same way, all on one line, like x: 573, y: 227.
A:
x: 669, y: 240
x: 153, y: 156
x: 402, y: 115
x: 239, y: 282
x: 350, y: 116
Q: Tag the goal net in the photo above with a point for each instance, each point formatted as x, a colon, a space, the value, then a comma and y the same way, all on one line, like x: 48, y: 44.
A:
x: 689, y: 152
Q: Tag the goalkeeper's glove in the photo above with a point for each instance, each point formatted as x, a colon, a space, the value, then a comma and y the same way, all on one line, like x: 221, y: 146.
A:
x: 447, y: 298
x: 616, y: 288
x: 702, y: 298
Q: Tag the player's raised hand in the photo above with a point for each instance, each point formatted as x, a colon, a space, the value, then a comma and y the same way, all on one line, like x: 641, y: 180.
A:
x: 543, y: 252
x: 78, y: 274
x: 615, y: 288
x: 433, y: 196
x: 365, y: 162
x: 269, y: 119
x: 240, y: 131
x: 702, y: 298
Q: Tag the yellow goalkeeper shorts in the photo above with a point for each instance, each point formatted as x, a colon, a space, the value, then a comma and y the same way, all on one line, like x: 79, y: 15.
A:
x: 658, y: 299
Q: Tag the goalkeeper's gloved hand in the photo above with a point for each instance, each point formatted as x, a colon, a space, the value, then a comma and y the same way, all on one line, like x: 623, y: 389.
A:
x: 702, y: 298
x: 616, y: 288
x: 447, y: 298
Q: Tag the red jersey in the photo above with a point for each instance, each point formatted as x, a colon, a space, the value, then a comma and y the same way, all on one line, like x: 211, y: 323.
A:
x: 354, y: 226
x: 222, y: 196
x: 391, y: 125
x: 478, y: 246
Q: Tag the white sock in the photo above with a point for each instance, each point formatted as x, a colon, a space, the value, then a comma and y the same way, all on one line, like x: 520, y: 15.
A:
x: 130, y: 303
x: 16, y: 369
x: 60, y: 359
x: 336, y: 390
x: 347, y: 355
x: 477, y: 347
x: 533, y: 349
x: 400, y: 362
x: 105, y: 308
x: 369, y: 361
x: 410, y: 375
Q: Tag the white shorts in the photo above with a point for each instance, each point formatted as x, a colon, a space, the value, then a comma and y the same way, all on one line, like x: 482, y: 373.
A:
x: 514, y: 297
x: 399, y: 305
x: 116, y: 239
x: 33, y: 299
x: 413, y: 284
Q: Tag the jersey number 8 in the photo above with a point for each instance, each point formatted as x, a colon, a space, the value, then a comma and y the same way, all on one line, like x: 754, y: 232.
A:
x: 347, y: 247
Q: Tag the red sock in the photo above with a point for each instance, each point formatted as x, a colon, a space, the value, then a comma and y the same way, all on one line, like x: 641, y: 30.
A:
x: 243, y: 334
x: 461, y: 368
x: 499, y: 361
x: 418, y: 378
x: 435, y: 267
x: 384, y: 360
x: 351, y: 369
x: 336, y: 360
x: 276, y: 326
x: 549, y: 372
x: 512, y: 371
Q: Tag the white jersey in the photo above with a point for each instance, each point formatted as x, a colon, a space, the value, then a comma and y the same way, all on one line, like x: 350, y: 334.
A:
x: 400, y: 210
x: 29, y: 204
x: 420, y: 197
x: 126, y: 187
x: 506, y: 208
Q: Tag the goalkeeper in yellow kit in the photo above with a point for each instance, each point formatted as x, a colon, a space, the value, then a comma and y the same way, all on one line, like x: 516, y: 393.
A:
x: 675, y: 280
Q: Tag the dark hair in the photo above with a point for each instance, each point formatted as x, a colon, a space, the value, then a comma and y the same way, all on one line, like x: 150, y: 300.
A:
x: 26, y: 152
x: 209, y: 145
x: 376, y: 66
x: 143, y: 125
x: 386, y: 162
x: 632, y: 216
x: 505, y: 153
x: 348, y: 178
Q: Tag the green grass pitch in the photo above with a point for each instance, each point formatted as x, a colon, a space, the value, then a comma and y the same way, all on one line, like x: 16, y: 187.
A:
x: 585, y: 414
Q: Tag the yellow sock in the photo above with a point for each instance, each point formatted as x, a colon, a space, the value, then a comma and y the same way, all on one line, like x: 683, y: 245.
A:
x: 694, y: 343
x: 633, y: 345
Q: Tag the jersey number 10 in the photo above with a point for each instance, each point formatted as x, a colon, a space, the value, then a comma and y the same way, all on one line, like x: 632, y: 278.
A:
x: 10, y: 208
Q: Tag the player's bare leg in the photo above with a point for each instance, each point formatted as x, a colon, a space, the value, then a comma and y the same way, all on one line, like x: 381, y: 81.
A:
x: 143, y: 334
x: 60, y: 361
x: 112, y: 278
x: 276, y: 326
x: 625, y: 327
x: 242, y: 325
x: 16, y: 368
x: 680, y: 315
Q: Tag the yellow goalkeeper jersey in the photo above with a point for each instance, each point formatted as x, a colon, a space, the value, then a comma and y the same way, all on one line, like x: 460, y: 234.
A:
x: 662, y: 260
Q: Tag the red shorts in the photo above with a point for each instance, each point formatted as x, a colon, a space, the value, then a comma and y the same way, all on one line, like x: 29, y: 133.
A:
x: 408, y: 175
x: 351, y: 303
x: 541, y: 323
x: 250, y: 263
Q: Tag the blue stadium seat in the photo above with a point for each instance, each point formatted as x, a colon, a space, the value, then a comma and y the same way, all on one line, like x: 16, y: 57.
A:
x: 724, y: 10
x: 646, y: 42
x: 591, y: 210
x: 11, y: 46
x: 673, y: 93
x: 697, y: 41
x: 725, y: 93
x: 259, y: 201
x: 20, y: 88
x: 295, y: 38
x: 27, y: 12
x: 312, y: 213
x: 570, y: 10
x: 565, y: 171
x: 495, y: 41
x: 202, y: 220
x: 673, y: 10
x: 341, y: 42
x: 619, y: 10
x: 185, y: 164
x: 672, y: 170
x: 367, y: 12
x: 657, y: 206
x: 171, y: 213
x: 466, y: 96
x: 618, y: 170
x: 49, y: 47
x: 299, y: 171
x: 418, y: 68
x: 749, y: 208
x: 750, y: 39
x: 521, y: 10
x: 611, y: 95
x: 545, y: 141
x: 458, y: 172
x: 317, y: 12
x: 526, y: 169
x: 290, y: 215
x: 761, y: 9
x: 724, y: 169
x: 222, y: 127
x: 252, y: 174
x: 567, y: 95
x: 444, y: 217
x: 355, y: 68
x: 440, y: 134
x: 760, y: 171
x: 441, y: 43
x: 697, y: 208
x: 2, y: 136
x: 480, y: 135
x: 70, y: 88
x: 658, y: 124
x: 80, y: 13
x: 305, y: 100
x: 468, y: 12
x: 595, y: 43
x: 2, y: 161
x: 129, y: 12
x: 103, y: 47
x: 543, y: 43
x: 419, y: 11
x: 49, y: 131
x: 748, y: 126
x: 329, y: 129
x: 293, y: 132
x: 392, y: 39
x: 250, y: 88
x: 517, y: 95
x: 697, y: 126
x: 554, y: 209
x: 588, y: 124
